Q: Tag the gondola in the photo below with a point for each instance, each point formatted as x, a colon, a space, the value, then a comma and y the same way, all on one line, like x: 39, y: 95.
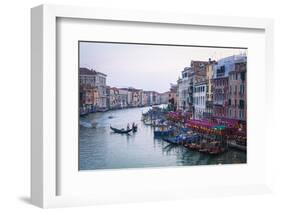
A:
x: 162, y: 133
x: 216, y: 150
x: 172, y: 140
x: 121, y: 131
x: 237, y: 146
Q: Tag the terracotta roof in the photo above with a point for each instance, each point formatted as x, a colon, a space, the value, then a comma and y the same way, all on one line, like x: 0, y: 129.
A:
x: 114, y: 88
x: 86, y: 71
x: 204, y: 62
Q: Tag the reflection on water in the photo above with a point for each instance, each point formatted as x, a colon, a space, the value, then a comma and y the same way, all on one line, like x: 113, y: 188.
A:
x: 100, y: 148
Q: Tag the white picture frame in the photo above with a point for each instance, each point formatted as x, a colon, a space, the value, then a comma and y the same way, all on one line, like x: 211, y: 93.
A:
x: 44, y: 154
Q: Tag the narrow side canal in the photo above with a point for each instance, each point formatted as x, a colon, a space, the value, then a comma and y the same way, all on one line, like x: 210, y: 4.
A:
x: 100, y: 148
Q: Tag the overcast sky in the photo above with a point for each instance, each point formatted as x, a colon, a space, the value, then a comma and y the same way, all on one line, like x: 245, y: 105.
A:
x: 148, y: 67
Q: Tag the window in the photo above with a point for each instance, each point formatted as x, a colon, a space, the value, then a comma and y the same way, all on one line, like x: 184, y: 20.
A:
x: 241, y: 114
x: 241, y: 104
x: 221, y: 71
x: 243, y: 76
x: 241, y: 89
x: 229, y: 102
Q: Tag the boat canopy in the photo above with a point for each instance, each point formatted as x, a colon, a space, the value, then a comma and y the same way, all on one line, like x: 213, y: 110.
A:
x: 219, y: 127
x: 200, y: 123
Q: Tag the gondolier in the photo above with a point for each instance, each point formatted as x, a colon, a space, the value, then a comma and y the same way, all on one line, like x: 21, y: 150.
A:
x: 134, y: 127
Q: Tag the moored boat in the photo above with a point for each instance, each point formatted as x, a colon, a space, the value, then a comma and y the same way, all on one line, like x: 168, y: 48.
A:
x: 173, y: 140
x: 216, y: 150
x: 162, y: 133
x: 179, y: 139
x: 192, y: 138
x: 237, y: 146
x: 204, y: 148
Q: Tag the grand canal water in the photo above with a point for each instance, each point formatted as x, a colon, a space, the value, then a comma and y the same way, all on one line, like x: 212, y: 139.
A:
x: 100, y: 148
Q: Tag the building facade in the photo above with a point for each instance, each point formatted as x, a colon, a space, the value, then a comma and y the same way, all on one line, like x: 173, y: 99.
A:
x: 164, y: 97
x: 88, y: 98
x: 183, y: 86
x: 136, y: 97
x: 101, y: 85
x: 197, y: 74
x: 123, y: 98
x: 237, y: 95
x: 173, y: 97
x: 190, y: 82
x: 92, y: 89
x: 225, y: 86
x: 144, y: 99
x: 155, y: 98
x: 209, y: 88
x: 114, y: 99
x: 199, y: 99
x: 189, y: 76
x: 220, y: 91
